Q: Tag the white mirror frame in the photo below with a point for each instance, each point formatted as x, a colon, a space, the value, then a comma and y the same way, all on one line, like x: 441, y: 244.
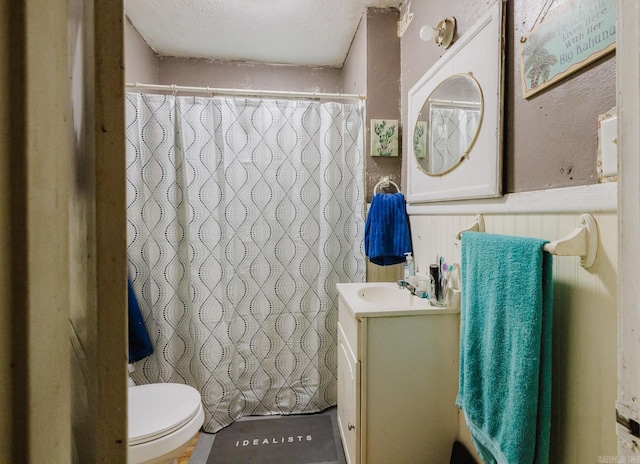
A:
x: 479, y: 51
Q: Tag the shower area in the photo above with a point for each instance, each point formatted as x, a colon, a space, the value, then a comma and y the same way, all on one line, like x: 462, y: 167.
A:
x: 242, y: 215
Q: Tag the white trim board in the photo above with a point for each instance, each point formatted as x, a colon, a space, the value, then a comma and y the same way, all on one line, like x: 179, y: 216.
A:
x: 628, y: 270
x: 594, y: 198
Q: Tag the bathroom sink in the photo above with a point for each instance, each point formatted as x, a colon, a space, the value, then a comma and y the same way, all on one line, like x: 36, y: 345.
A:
x: 384, y: 294
x: 372, y: 299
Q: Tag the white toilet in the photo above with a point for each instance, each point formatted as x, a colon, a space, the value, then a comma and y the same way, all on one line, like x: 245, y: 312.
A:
x: 163, y: 419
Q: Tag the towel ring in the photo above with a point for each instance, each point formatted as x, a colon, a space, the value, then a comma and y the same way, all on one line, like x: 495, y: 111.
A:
x: 385, y: 182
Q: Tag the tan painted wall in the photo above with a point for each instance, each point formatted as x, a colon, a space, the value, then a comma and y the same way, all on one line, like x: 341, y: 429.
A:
x: 140, y: 61
x: 372, y: 67
x: 143, y: 65
x: 231, y: 74
x: 354, y: 70
x: 383, y: 91
x: 550, y: 139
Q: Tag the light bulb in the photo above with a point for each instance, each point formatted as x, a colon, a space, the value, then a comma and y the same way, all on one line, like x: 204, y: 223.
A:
x: 427, y: 33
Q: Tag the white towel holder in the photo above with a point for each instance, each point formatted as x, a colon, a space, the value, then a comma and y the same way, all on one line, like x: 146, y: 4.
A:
x: 583, y: 242
x: 477, y: 226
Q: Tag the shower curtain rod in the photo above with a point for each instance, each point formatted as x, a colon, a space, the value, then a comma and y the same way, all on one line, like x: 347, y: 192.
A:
x: 245, y: 92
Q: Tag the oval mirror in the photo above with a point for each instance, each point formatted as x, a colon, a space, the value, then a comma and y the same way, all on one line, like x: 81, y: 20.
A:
x: 448, y: 124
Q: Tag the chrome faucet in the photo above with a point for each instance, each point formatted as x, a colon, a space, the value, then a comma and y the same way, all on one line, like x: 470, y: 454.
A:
x: 412, y: 288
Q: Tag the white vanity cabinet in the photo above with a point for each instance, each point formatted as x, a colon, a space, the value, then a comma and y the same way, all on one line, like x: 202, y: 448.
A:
x: 397, y: 379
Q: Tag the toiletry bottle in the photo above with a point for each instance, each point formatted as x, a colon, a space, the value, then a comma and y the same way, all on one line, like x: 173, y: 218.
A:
x: 412, y: 266
x: 409, y: 269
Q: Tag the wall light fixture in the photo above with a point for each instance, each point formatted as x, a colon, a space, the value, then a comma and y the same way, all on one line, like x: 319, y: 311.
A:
x: 442, y: 34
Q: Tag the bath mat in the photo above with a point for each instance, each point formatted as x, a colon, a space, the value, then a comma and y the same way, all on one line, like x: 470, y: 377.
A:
x: 284, y: 440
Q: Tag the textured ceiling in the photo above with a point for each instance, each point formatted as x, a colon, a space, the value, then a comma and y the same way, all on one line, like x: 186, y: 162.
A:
x: 297, y: 32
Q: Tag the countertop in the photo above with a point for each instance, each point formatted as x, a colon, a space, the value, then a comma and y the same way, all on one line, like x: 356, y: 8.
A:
x: 406, y: 304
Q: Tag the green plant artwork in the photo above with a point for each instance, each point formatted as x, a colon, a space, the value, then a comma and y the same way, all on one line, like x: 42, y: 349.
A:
x: 537, y: 59
x: 384, y: 137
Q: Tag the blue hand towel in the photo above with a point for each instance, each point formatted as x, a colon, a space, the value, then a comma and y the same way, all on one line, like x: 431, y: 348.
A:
x: 386, y: 232
x: 139, y: 343
x: 505, y: 347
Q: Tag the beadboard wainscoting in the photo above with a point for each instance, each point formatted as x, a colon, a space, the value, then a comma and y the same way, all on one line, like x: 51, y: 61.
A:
x: 377, y: 273
x: 584, y: 374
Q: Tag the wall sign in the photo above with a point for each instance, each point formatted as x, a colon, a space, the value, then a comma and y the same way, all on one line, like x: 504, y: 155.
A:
x: 580, y: 32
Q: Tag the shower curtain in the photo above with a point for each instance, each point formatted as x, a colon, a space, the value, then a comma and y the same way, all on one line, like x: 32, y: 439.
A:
x: 243, y: 214
x: 453, y: 131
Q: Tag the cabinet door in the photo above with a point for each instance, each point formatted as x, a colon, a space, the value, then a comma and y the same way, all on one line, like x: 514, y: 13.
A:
x: 347, y: 398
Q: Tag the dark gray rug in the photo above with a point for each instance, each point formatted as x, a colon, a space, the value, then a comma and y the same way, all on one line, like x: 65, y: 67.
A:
x: 284, y: 440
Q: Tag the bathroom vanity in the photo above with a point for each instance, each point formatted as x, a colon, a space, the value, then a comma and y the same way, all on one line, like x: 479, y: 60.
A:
x: 397, y: 375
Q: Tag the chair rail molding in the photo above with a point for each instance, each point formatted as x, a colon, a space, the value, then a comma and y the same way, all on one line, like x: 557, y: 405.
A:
x: 595, y: 198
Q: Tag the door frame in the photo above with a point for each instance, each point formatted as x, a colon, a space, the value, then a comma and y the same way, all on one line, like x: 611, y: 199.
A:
x: 628, y: 108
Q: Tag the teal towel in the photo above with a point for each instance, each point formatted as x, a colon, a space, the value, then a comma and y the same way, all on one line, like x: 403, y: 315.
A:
x: 505, y: 347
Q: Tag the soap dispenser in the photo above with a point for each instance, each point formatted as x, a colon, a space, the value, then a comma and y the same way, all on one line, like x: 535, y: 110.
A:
x: 409, y: 268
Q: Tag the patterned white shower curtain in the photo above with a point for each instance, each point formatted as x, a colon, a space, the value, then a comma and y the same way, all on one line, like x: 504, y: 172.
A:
x: 243, y: 214
x: 453, y: 131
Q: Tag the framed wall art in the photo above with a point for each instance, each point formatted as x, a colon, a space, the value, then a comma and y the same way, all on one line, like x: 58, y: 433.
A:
x: 384, y: 137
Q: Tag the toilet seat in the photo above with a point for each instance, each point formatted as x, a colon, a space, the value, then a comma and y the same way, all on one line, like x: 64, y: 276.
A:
x: 157, y: 410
